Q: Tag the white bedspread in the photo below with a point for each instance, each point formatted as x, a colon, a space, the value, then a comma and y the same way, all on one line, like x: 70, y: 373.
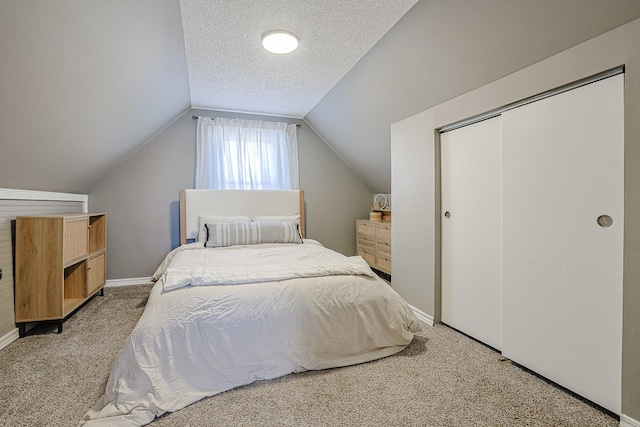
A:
x: 197, y: 341
x: 175, y: 278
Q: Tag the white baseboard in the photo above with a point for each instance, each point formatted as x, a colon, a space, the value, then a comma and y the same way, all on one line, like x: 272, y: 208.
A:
x: 128, y: 282
x: 9, y: 338
x: 626, y: 421
x: 422, y: 316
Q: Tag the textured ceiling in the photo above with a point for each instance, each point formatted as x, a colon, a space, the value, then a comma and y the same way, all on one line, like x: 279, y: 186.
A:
x: 229, y: 70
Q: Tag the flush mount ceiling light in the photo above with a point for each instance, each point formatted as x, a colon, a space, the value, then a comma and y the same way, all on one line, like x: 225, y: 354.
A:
x: 280, y: 42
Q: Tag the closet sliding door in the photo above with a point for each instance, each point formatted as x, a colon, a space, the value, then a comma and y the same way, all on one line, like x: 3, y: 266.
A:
x: 471, y: 179
x: 563, y: 235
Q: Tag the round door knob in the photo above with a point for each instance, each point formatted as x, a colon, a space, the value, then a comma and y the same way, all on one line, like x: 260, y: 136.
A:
x: 604, y: 221
x: 447, y: 214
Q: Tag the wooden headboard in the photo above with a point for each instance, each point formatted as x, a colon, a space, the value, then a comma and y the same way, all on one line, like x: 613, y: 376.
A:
x: 194, y: 203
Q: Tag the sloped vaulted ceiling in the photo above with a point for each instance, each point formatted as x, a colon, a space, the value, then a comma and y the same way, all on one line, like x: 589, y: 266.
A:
x: 441, y: 49
x: 83, y: 84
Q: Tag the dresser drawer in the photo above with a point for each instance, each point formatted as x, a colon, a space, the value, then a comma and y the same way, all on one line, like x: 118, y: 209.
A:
x: 368, y: 257
x: 366, y: 228
x: 383, y: 263
x: 373, y: 243
x: 366, y: 242
x: 383, y: 231
x: 383, y: 246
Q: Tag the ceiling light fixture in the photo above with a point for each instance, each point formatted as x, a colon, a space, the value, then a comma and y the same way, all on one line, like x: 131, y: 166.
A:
x: 280, y: 42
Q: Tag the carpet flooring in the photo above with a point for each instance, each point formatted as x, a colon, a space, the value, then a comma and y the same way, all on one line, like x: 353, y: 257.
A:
x: 443, y: 378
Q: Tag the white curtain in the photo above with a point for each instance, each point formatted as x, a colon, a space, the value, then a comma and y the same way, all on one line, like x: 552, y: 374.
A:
x: 246, y: 154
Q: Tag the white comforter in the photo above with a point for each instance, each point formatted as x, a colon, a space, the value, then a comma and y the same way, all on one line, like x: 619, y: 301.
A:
x: 197, y: 341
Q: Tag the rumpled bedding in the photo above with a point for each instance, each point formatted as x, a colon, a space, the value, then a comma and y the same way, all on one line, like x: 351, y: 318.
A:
x: 175, y: 278
x: 196, y: 341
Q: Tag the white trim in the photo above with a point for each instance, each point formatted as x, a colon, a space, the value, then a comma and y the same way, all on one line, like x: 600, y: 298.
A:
x: 253, y: 113
x: 626, y: 421
x: 557, y: 91
x: 9, y: 338
x: 11, y: 194
x: 112, y: 283
x: 161, y: 130
x: 422, y: 316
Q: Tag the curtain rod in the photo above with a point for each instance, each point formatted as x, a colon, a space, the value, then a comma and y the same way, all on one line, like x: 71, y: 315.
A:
x: 196, y: 118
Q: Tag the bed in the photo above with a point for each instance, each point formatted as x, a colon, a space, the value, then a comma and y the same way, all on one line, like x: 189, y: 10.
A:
x: 224, y: 314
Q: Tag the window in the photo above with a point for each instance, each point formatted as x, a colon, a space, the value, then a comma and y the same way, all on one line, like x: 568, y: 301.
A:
x: 246, y: 154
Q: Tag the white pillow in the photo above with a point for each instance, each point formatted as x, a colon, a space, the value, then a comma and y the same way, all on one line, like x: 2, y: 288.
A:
x: 251, y: 233
x: 293, y: 217
x: 204, y: 219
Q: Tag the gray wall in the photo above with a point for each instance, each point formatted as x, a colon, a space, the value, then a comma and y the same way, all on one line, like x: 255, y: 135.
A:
x: 414, y: 180
x: 441, y: 49
x: 140, y: 196
x: 84, y: 83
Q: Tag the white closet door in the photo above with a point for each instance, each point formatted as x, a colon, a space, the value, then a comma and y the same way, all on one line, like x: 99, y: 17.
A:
x: 471, y: 292
x: 563, y: 168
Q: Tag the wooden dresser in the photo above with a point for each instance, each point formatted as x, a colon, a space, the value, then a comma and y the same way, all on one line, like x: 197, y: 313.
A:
x: 60, y: 264
x: 374, y: 243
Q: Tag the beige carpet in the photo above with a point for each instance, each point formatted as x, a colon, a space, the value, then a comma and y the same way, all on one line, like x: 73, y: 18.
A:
x: 442, y: 379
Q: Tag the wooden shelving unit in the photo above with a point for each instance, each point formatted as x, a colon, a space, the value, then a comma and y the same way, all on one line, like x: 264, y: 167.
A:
x: 60, y: 264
